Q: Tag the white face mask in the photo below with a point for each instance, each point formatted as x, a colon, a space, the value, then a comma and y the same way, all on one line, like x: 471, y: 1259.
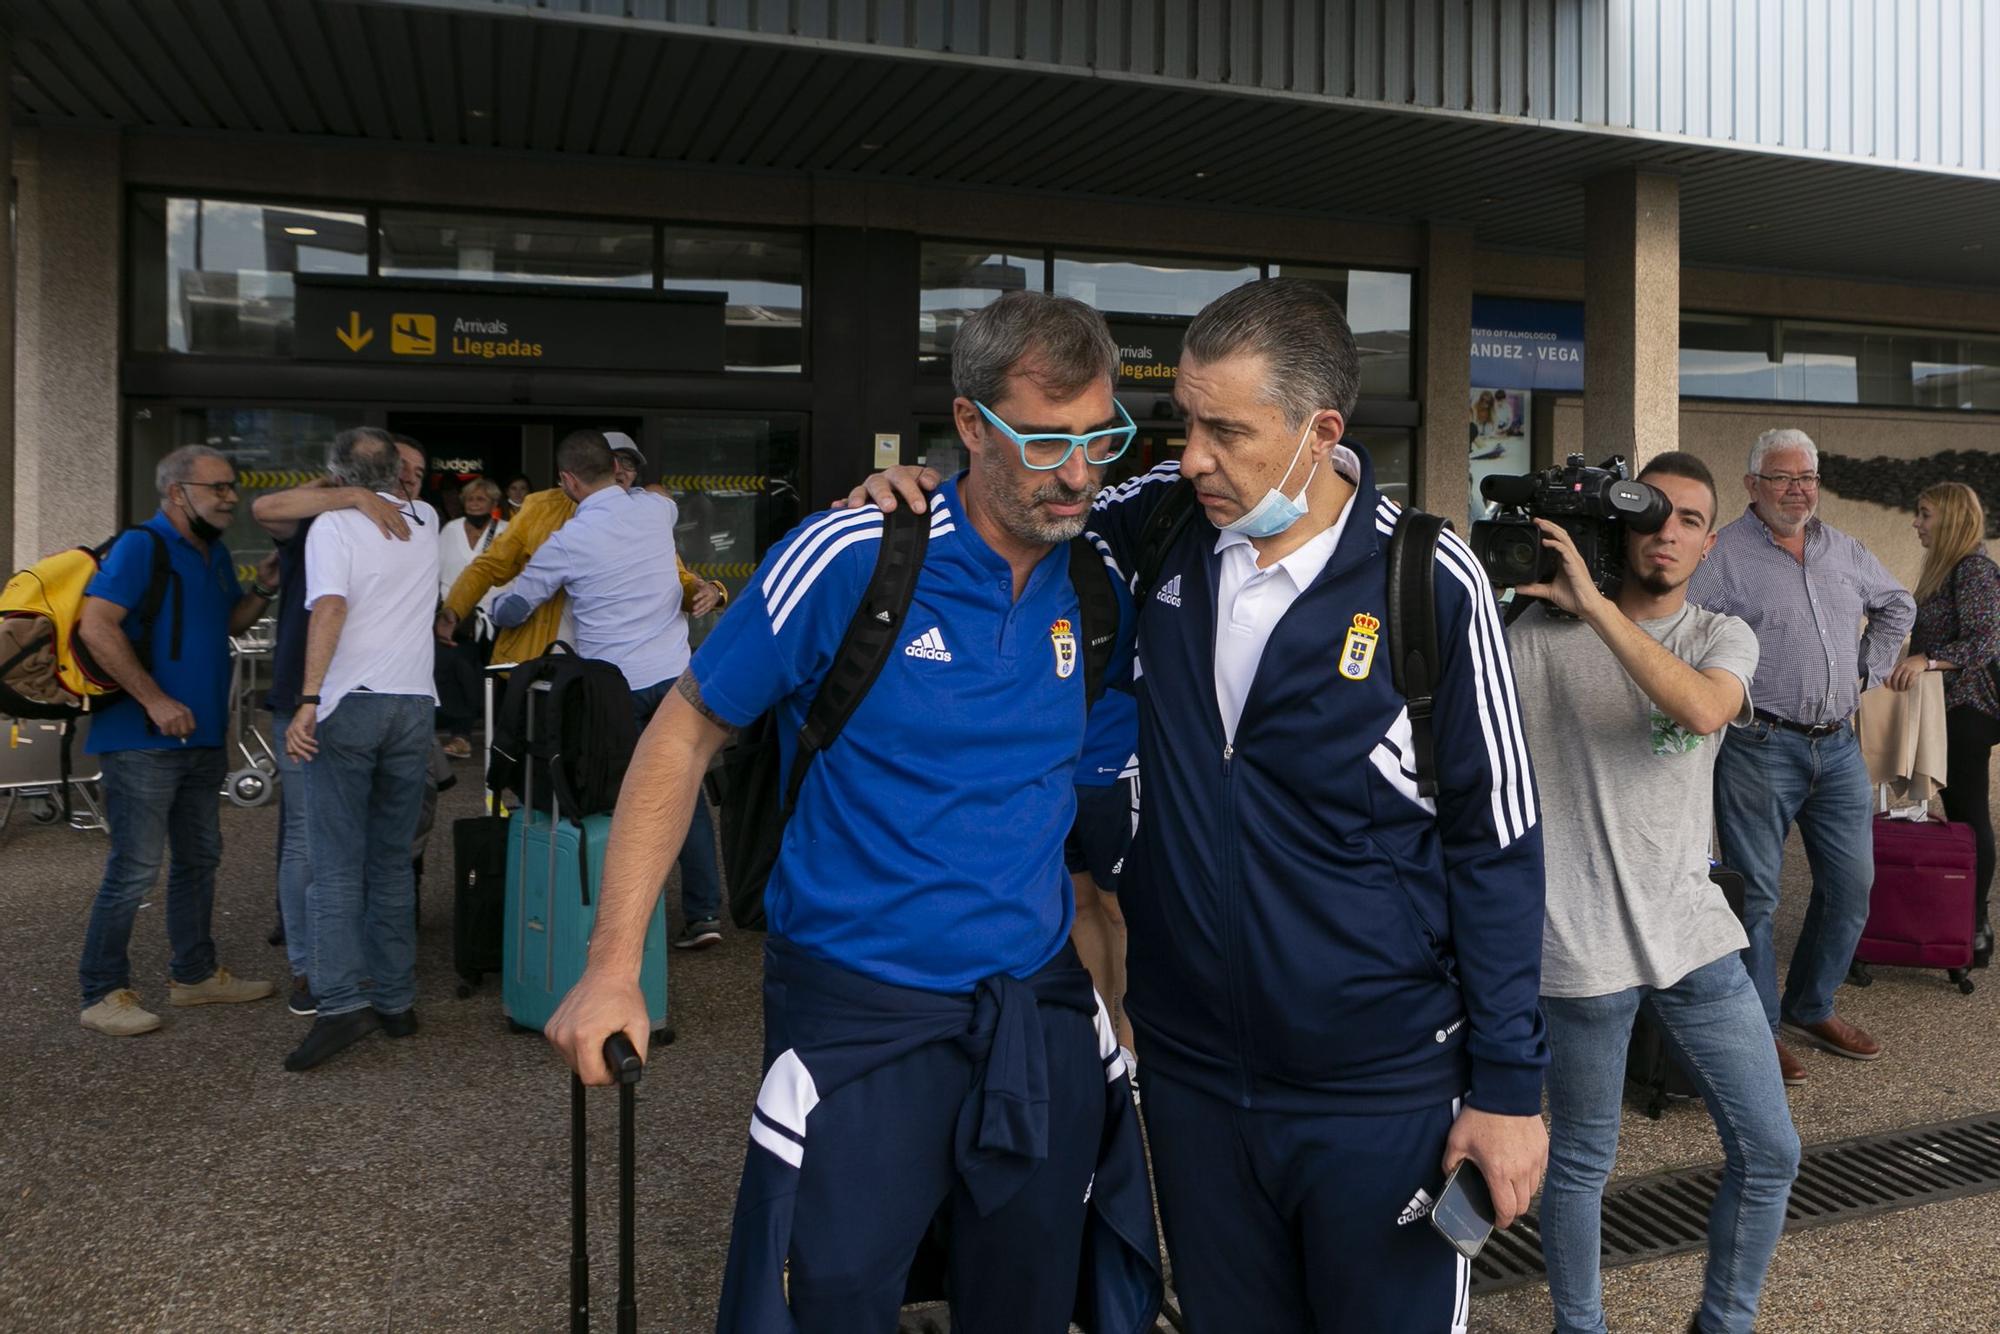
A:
x: 1276, y: 511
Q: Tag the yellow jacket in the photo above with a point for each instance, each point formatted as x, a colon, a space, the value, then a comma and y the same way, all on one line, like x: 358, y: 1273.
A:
x: 540, y: 514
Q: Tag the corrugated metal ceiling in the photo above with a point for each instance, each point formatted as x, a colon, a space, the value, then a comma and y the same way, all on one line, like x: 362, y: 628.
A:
x: 494, y: 78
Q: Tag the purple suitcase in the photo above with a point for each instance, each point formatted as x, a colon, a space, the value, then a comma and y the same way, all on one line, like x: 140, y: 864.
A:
x: 1920, y: 911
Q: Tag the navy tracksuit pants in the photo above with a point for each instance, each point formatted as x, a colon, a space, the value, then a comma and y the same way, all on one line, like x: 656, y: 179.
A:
x: 1288, y: 1223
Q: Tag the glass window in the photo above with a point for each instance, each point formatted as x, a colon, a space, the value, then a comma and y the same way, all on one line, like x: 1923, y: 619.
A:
x: 1806, y: 361
x: 764, y: 277
x: 736, y: 480
x: 215, y: 275
x: 1392, y: 450
x: 475, y: 248
x: 1149, y: 286
x: 1379, y: 312
x: 955, y: 279
x: 273, y: 449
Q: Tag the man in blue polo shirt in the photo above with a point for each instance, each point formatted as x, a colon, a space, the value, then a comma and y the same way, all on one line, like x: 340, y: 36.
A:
x: 929, y: 1032
x: 161, y: 742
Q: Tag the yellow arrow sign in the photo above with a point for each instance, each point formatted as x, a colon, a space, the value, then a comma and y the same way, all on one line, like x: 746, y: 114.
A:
x: 354, y: 336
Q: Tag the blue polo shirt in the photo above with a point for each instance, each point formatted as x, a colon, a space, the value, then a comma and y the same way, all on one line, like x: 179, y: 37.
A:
x: 200, y: 677
x: 926, y: 849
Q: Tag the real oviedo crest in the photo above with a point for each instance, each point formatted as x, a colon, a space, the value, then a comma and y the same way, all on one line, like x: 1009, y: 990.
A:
x: 1064, y: 640
x: 1357, y: 655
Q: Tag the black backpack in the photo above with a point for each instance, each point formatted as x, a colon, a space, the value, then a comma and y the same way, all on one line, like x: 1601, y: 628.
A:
x: 578, y: 738
x: 755, y: 798
x: 1412, y: 638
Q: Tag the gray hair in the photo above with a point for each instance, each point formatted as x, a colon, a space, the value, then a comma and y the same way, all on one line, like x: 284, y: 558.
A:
x: 486, y: 485
x: 1070, y: 341
x: 366, y: 457
x: 1299, y: 330
x: 1784, y: 437
x: 178, y: 466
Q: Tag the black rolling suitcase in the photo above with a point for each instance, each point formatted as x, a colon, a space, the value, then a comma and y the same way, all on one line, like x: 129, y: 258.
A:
x: 1653, y: 1073
x: 479, y: 875
x: 479, y: 903
x: 626, y: 1067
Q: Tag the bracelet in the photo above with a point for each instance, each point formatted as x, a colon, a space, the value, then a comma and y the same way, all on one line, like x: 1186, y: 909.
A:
x: 309, y: 699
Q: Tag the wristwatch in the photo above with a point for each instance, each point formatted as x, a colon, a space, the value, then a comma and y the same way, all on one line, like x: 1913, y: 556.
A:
x: 1930, y: 664
x: 265, y: 593
x: 309, y: 699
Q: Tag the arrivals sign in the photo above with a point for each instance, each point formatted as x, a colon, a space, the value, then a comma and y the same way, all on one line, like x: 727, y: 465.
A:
x: 1149, y: 350
x: 1527, y: 344
x: 483, y: 324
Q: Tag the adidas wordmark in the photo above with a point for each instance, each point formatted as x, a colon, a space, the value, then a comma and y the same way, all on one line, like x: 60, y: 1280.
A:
x: 929, y: 644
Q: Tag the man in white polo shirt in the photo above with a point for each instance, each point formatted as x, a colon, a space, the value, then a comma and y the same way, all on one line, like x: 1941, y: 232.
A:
x: 362, y: 734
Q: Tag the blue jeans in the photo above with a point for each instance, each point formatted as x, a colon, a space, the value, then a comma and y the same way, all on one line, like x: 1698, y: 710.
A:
x: 294, y: 867
x: 364, y: 791
x: 701, y: 877
x: 1713, y: 1022
x: 157, y: 800
x: 1765, y: 778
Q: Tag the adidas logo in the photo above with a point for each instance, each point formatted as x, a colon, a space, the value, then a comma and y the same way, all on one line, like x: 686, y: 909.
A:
x: 1418, y: 1207
x: 1170, y: 592
x: 929, y: 644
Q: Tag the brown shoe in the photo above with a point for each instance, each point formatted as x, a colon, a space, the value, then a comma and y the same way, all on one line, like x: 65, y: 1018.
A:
x: 1789, y: 1065
x: 1837, y: 1036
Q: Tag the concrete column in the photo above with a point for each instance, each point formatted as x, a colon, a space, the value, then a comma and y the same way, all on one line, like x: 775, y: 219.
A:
x: 1632, y: 316
x: 12, y: 483
x: 1446, y: 318
x: 66, y: 404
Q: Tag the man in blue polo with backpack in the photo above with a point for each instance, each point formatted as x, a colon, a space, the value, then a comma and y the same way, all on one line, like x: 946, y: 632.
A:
x: 157, y: 620
x: 1334, y: 900
x: 934, y: 1052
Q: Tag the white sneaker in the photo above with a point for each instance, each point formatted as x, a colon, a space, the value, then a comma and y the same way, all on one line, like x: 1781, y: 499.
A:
x: 219, y: 988
x: 120, y: 1015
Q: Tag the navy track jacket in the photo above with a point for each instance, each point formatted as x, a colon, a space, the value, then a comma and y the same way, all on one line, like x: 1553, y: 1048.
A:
x: 1307, y: 934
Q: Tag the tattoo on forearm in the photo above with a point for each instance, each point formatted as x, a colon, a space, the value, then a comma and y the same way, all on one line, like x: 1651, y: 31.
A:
x: 689, y: 689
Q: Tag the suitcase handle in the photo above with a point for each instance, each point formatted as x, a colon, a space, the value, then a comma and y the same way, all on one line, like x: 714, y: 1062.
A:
x: 626, y: 1067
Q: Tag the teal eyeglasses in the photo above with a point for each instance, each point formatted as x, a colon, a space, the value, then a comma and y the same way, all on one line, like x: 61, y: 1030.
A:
x: 1046, y: 451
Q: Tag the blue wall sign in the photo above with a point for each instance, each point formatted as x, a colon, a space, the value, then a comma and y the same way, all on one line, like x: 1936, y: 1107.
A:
x: 1527, y: 344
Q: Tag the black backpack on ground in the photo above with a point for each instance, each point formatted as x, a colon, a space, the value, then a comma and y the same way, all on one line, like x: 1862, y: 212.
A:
x: 582, y: 735
x: 1411, y: 624
x: 755, y: 797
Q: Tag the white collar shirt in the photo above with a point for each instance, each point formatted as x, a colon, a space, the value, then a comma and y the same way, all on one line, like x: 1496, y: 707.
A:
x: 1249, y: 602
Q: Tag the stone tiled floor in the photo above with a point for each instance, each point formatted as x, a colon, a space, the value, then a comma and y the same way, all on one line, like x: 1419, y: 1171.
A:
x: 184, y: 1181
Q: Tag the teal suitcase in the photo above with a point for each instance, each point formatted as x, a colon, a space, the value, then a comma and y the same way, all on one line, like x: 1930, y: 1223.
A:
x: 552, y: 890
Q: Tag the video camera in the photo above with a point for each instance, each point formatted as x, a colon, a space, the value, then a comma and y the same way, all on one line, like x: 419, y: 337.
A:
x: 1593, y: 505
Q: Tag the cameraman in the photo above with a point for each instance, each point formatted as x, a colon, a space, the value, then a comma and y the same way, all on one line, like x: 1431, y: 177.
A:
x: 1633, y: 695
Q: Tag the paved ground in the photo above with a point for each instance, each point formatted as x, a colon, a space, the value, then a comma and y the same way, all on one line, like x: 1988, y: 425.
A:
x: 184, y: 1181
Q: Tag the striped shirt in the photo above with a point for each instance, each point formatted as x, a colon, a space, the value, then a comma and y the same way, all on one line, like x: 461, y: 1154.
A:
x: 1815, y: 656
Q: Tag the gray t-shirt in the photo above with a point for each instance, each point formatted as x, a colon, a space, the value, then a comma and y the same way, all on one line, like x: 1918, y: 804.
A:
x: 1627, y: 809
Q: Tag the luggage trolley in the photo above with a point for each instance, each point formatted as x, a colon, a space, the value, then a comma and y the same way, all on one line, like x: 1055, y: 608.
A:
x: 33, y: 769
x: 249, y: 678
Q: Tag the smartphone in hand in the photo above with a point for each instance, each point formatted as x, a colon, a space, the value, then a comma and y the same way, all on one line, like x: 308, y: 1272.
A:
x: 1463, y: 1214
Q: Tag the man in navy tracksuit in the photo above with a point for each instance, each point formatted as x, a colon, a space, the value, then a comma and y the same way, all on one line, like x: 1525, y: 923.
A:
x: 1333, y: 979
x: 933, y: 1048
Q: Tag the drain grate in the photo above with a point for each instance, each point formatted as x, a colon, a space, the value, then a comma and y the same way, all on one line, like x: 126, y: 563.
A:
x: 1667, y: 1213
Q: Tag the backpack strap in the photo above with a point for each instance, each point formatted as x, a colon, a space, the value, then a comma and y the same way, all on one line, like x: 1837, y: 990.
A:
x: 1413, y: 636
x: 1163, y: 528
x: 870, y: 639
x: 161, y: 579
x: 1097, y: 605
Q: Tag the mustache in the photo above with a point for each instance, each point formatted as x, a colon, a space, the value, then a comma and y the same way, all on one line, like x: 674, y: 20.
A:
x: 1055, y: 493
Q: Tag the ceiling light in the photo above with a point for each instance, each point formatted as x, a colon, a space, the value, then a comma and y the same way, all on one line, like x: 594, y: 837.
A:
x: 869, y: 148
x: 476, y: 114
x: 1201, y: 175
x: 1971, y: 245
x: 302, y: 231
